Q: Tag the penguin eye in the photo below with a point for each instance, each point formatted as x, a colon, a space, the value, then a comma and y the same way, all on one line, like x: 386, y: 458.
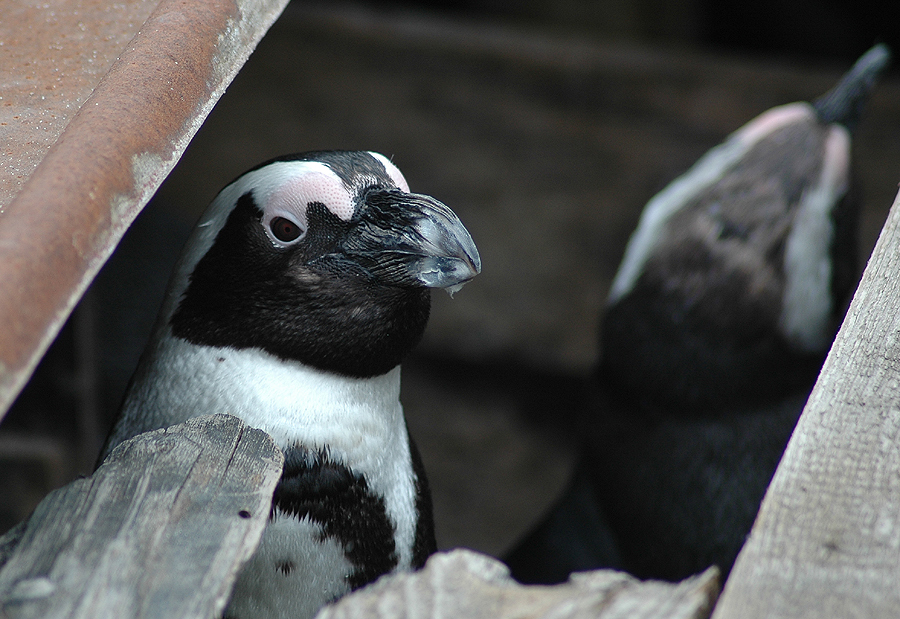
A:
x: 284, y: 229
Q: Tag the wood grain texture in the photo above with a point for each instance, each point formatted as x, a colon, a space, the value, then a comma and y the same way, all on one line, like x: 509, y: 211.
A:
x: 159, y: 530
x: 463, y: 583
x: 826, y: 542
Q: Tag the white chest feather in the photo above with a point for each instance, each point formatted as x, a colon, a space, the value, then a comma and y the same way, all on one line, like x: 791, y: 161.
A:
x: 278, y: 583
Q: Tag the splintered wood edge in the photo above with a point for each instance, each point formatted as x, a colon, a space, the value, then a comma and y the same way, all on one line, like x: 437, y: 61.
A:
x: 160, y: 529
x: 464, y: 583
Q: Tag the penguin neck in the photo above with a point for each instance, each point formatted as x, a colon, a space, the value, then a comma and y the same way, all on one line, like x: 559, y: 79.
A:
x: 296, y: 404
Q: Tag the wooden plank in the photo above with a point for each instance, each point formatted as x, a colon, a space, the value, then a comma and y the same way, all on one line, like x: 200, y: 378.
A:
x: 463, y: 583
x: 159, y: 530
x: 826, y: 542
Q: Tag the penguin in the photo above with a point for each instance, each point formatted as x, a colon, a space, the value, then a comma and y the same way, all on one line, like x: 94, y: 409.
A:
x: 298, y: 294
x: 727, y: 299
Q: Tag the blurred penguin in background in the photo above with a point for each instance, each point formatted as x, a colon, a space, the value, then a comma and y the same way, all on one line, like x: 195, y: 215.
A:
x: 726, y: 302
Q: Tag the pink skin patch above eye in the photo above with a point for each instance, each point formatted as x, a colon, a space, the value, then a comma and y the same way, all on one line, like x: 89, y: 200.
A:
x: 771, y: 120
x: 293, y: 196
x: 285, y: 189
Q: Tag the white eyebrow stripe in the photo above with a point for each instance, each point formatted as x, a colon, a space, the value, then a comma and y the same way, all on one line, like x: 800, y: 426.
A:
x: 807, y: 307
x: 392, y: 171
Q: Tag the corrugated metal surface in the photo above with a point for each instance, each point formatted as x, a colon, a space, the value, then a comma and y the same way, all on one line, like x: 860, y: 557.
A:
x: 97, y: 103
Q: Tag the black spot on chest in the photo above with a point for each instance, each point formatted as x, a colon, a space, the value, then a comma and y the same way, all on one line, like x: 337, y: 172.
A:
x: 341, y: 502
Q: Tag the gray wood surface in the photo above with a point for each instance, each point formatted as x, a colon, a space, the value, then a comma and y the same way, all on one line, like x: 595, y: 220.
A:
x: 470, y: 585
x: 159, y: 530
x: 826, y: 542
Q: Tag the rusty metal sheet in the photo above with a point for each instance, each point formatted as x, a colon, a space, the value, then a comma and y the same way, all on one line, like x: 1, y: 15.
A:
x: 97, y: 103
x: 52, y: 55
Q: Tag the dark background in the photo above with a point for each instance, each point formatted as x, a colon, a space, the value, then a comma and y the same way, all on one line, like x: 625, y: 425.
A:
x: 810, y: 30
x: 547, y: 127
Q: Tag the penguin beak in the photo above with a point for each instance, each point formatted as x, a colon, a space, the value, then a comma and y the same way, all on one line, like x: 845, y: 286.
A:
x: 407, y: 239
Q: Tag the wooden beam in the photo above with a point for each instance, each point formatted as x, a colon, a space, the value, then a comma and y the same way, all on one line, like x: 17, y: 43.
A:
x: 826, y: 542
x: 159, y: 530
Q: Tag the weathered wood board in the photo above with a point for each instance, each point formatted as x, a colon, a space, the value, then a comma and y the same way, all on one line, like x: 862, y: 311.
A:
x: 462, y: 583
x: 826, y: 542
x: 159, y: 530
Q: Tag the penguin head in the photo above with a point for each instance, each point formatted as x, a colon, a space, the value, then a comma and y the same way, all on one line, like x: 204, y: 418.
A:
x: 324, y: 258
x: 737, y: 276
